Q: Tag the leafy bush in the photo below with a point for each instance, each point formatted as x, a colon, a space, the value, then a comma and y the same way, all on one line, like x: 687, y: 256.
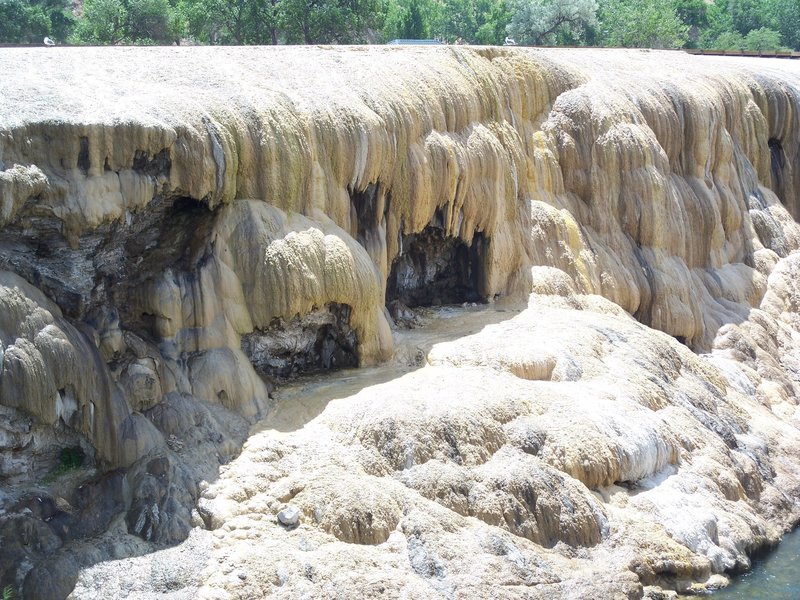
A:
x: 762, y: 39
x: 730, y: 40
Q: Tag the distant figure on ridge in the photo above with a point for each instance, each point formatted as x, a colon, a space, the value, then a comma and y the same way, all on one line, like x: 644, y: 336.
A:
x: 48, y: 41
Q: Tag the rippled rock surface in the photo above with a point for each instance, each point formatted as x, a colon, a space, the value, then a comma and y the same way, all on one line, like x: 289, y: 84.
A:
x: 183, y: 229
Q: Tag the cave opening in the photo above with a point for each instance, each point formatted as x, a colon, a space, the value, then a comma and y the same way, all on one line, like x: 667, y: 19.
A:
x: 84, y: 161
x: 158, y: 165
x: 434, y: 269
x: 174, y: 235
x: 321, y: 340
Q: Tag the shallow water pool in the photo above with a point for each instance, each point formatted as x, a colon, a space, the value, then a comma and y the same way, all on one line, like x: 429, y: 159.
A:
x: 776, y: 576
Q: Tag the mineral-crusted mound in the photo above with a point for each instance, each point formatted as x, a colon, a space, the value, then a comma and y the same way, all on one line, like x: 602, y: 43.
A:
x: 612, y: 411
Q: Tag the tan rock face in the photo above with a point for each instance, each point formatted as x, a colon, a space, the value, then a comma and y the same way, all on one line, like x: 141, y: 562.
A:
x: 170, y: 245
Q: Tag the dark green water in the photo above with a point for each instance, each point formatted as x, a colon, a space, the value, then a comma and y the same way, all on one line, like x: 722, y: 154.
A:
x: 773, y: 577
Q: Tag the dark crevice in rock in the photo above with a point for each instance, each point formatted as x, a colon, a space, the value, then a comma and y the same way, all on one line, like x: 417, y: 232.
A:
x: 434, y: 269
x: 321, y: 340
x: 370, y: 206
x: 777, y: 164
x: 159, y: 165
x: 644, y: 313
x: 84, y: 162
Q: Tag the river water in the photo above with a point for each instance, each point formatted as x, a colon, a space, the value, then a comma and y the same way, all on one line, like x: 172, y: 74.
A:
x: 776, y: 576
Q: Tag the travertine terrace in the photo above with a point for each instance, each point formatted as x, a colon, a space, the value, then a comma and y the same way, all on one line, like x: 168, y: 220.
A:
x: 184, y: 230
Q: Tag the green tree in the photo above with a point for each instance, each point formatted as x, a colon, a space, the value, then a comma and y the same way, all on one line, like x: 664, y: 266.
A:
x: 729, y: 40
x: 786, y: 19
x: 150, y: 21
x: 232, y: 21
x: 693, y: 13
x: 474, y: 21
x: 410, y: 19
x: 642, y: 24
x: 539, y: 22
x: 327, y: 21
x: 129, y: 22
x: 747, y: 15
x: 13, y: 21
x: 493, y: 16
x: 719, y: 22
x: 731, y: 21
x: 29, y: 21
x: 457, y: 20
x: 413, y: 24
x: 762, y: 39
x: 103, y: 22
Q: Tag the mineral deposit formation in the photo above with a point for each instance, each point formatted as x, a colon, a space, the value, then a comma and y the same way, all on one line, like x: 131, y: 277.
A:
x: 185, y: 230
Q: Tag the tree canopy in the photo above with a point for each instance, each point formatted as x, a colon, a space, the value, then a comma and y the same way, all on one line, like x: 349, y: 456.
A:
x: 757, y: 25
x: 29, y: 21
x: 549, y: 22
x: 643, y: 24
